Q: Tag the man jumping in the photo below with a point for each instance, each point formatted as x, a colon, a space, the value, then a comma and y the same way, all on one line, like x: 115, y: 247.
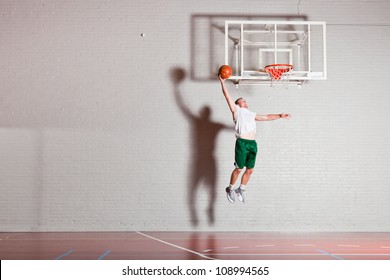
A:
x: 246, y: 146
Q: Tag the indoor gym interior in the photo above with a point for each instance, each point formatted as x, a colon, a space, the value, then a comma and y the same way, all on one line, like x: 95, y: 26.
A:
x: 116, y: 141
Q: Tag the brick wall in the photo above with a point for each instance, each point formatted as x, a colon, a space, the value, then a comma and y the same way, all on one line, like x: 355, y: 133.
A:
x: 94, y: 136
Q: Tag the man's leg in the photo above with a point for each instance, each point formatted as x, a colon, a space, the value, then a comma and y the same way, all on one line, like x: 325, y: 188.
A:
x: 233, y: 178
x: 231, y: 196
x: 244, y: 180
x: 239, y: 161
x: 250, y: 164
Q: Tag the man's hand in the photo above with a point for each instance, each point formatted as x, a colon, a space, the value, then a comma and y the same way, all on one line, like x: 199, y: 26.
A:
x: 285, y: 116
x: 221, y: 79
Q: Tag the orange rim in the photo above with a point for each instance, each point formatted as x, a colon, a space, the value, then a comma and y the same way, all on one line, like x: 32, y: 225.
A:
x: 276, y: 70
x: 288, y: 66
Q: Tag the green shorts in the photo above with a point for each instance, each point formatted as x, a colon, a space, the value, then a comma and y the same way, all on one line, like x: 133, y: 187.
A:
x: 245, y: 153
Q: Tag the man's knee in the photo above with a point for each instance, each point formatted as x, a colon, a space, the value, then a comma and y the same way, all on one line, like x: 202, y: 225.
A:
x: 237, y: 170
x: 249, y: 171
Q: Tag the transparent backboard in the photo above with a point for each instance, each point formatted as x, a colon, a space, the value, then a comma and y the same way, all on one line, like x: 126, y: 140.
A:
x: 252, y: 45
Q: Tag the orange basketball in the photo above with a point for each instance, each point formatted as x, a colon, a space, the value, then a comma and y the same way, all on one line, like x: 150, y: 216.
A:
x: 225, y: 71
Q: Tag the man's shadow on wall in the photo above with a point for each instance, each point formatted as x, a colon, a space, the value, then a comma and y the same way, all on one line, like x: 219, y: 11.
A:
x: 203, y: 166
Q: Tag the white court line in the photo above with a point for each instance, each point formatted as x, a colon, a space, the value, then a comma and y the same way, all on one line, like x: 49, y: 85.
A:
x: 227, y: 254
x: 232, y: 247
x: 364, y: 255
x: 207, y: 250
x: 176, y: 246
x: 384, y: 247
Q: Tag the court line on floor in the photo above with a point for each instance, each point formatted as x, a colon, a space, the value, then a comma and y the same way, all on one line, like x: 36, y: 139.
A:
x: 269, y: 255
x: 104, y: 254
x: 368, y: 255
x: 300, y: 254
x: 331, y: 255
x: 174, y: 245
x: 64, y: 255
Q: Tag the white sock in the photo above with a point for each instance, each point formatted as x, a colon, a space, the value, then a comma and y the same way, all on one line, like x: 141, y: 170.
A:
x: 231, y: 187
x: 243, y: 187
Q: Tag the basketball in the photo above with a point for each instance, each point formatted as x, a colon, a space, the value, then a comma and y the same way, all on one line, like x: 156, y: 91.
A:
x: 225, y: 71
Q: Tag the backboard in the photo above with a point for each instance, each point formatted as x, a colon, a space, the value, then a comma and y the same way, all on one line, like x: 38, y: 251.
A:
x: 252, y: 45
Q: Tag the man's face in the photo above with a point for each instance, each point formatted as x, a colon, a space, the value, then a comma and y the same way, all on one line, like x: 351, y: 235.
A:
x: 242, y: 103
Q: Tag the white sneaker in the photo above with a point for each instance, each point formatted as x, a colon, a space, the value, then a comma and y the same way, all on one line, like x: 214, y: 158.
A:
x: 240, y: 194
x: 231, y: 196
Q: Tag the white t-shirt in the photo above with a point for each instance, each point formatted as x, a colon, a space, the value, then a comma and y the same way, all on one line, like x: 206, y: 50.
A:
x: 245, y: 121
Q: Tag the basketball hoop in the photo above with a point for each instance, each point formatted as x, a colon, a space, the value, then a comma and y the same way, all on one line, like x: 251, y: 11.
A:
x: 279, y: 73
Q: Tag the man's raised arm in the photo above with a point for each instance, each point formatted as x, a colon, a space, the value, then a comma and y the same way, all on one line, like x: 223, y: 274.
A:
x: 229, y: 100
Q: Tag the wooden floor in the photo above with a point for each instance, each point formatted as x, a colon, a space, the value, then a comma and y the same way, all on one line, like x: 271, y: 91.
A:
x: 194, y: 245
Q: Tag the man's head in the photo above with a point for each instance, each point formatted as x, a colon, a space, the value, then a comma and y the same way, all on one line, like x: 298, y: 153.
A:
x: 241, y: 103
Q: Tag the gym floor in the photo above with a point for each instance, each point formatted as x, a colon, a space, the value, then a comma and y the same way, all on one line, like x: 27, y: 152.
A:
x: 194, y: 246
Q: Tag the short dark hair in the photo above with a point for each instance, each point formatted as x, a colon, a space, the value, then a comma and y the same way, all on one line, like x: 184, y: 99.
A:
x: 238, y: 99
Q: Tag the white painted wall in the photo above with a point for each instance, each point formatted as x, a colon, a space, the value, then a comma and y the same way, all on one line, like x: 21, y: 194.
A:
x: 92, y: 137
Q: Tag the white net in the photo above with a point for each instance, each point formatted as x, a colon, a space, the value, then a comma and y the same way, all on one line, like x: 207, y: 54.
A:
x: 280, y: 74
